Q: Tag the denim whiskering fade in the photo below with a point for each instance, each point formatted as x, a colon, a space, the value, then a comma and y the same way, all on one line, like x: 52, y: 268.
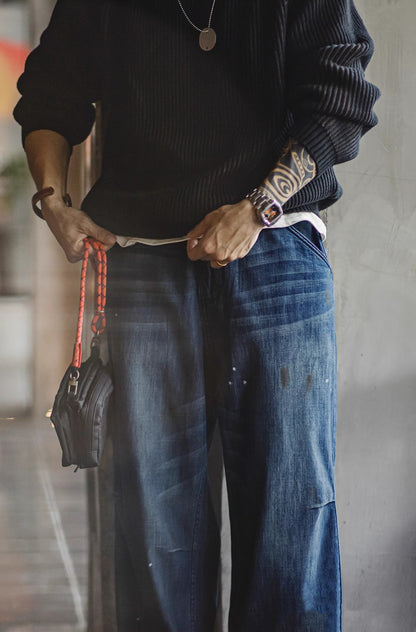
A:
x: 252, y: 347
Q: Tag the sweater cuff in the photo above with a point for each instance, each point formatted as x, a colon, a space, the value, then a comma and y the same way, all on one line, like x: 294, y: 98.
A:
x: 74, y: 126
x: 316, y: 140
x: 51, y: 128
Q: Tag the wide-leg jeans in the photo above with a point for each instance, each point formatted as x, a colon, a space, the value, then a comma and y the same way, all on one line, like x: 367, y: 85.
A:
x: 251, y: 347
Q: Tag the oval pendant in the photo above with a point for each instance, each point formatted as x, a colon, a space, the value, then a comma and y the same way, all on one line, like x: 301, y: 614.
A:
x: 207, y: 39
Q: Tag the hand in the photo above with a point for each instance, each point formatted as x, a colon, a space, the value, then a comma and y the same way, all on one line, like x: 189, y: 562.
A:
x: 226, y: 234
x: 70, y: 226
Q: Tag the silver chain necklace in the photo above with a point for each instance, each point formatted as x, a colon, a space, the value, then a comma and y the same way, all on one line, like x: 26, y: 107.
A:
x: 207, y: 36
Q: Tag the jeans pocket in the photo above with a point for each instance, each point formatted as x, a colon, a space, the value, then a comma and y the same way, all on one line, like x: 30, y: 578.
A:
x: 307, y: 233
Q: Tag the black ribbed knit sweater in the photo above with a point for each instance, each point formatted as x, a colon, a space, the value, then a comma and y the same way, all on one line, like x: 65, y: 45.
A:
x: 187, y: 131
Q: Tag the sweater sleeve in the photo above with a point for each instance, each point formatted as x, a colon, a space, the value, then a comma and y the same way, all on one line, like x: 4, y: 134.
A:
x: 63, y: 75
x: 328, y: 96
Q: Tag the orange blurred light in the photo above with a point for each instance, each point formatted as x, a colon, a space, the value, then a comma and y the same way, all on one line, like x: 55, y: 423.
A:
x: 12, y: 61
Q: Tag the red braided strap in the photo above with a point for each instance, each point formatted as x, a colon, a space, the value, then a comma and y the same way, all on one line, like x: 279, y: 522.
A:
x: 98, y: 322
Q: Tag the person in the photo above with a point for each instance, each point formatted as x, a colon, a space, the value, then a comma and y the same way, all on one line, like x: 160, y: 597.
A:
x: 222, y: 124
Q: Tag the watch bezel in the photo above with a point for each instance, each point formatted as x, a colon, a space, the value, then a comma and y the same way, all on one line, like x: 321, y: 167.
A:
x: 276, y: 209
x: 264, y: 206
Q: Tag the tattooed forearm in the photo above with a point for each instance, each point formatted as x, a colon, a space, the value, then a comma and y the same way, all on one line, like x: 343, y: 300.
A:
x: 293, y: 171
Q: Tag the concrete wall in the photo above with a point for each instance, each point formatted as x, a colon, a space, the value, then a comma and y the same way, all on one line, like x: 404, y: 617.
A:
x: 371, y: 239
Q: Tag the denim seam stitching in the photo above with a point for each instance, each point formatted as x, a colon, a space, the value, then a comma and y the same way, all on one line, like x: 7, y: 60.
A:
x: 310, y: 245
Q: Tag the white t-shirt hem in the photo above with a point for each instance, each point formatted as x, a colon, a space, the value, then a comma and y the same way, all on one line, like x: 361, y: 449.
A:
x: 286, y: 220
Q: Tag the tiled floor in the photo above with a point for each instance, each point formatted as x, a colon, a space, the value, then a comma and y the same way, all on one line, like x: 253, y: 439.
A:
x: 43, y: 533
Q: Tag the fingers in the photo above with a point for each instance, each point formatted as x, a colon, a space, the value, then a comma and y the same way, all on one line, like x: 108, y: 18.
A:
x: 194, y: 236
x: 205, y: 246
x: 218, y: 264
x: 191, y: 244
x: 71, y: 226
x: 197, y: 231
x: 228, y: 233
x: 220, y: 248
x: 211, y: 252
x: 103, y: 235
x: 74, y: 250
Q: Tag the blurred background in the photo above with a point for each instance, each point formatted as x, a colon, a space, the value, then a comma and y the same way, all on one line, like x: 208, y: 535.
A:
x: 55, y: 561
x: 16, y: 242
x: 45, y: 535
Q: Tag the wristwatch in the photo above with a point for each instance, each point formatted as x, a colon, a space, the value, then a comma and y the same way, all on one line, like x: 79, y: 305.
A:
x: 268, y: 210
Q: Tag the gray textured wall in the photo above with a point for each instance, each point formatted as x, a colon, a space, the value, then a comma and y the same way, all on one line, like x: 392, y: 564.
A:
x: 371, y: 240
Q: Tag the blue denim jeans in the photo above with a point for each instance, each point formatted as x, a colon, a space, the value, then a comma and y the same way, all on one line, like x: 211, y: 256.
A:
x: 252, y: 348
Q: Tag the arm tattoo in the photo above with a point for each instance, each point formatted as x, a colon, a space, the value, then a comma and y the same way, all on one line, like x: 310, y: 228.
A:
x: 293, y: 171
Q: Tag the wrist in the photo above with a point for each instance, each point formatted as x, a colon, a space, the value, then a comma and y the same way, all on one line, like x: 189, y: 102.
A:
x: 251, y: 213
x: 49, y: 200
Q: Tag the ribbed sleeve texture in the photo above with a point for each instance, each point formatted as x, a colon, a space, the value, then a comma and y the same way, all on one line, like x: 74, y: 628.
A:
x: 186, y: 130
x: 332, y: 104
x: 63, y: 75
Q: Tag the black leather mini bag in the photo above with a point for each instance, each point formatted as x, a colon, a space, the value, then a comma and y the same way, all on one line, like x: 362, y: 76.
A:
x: 81, y: 405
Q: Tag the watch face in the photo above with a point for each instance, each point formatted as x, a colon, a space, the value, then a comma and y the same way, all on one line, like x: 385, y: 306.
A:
x: 271, y: 215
